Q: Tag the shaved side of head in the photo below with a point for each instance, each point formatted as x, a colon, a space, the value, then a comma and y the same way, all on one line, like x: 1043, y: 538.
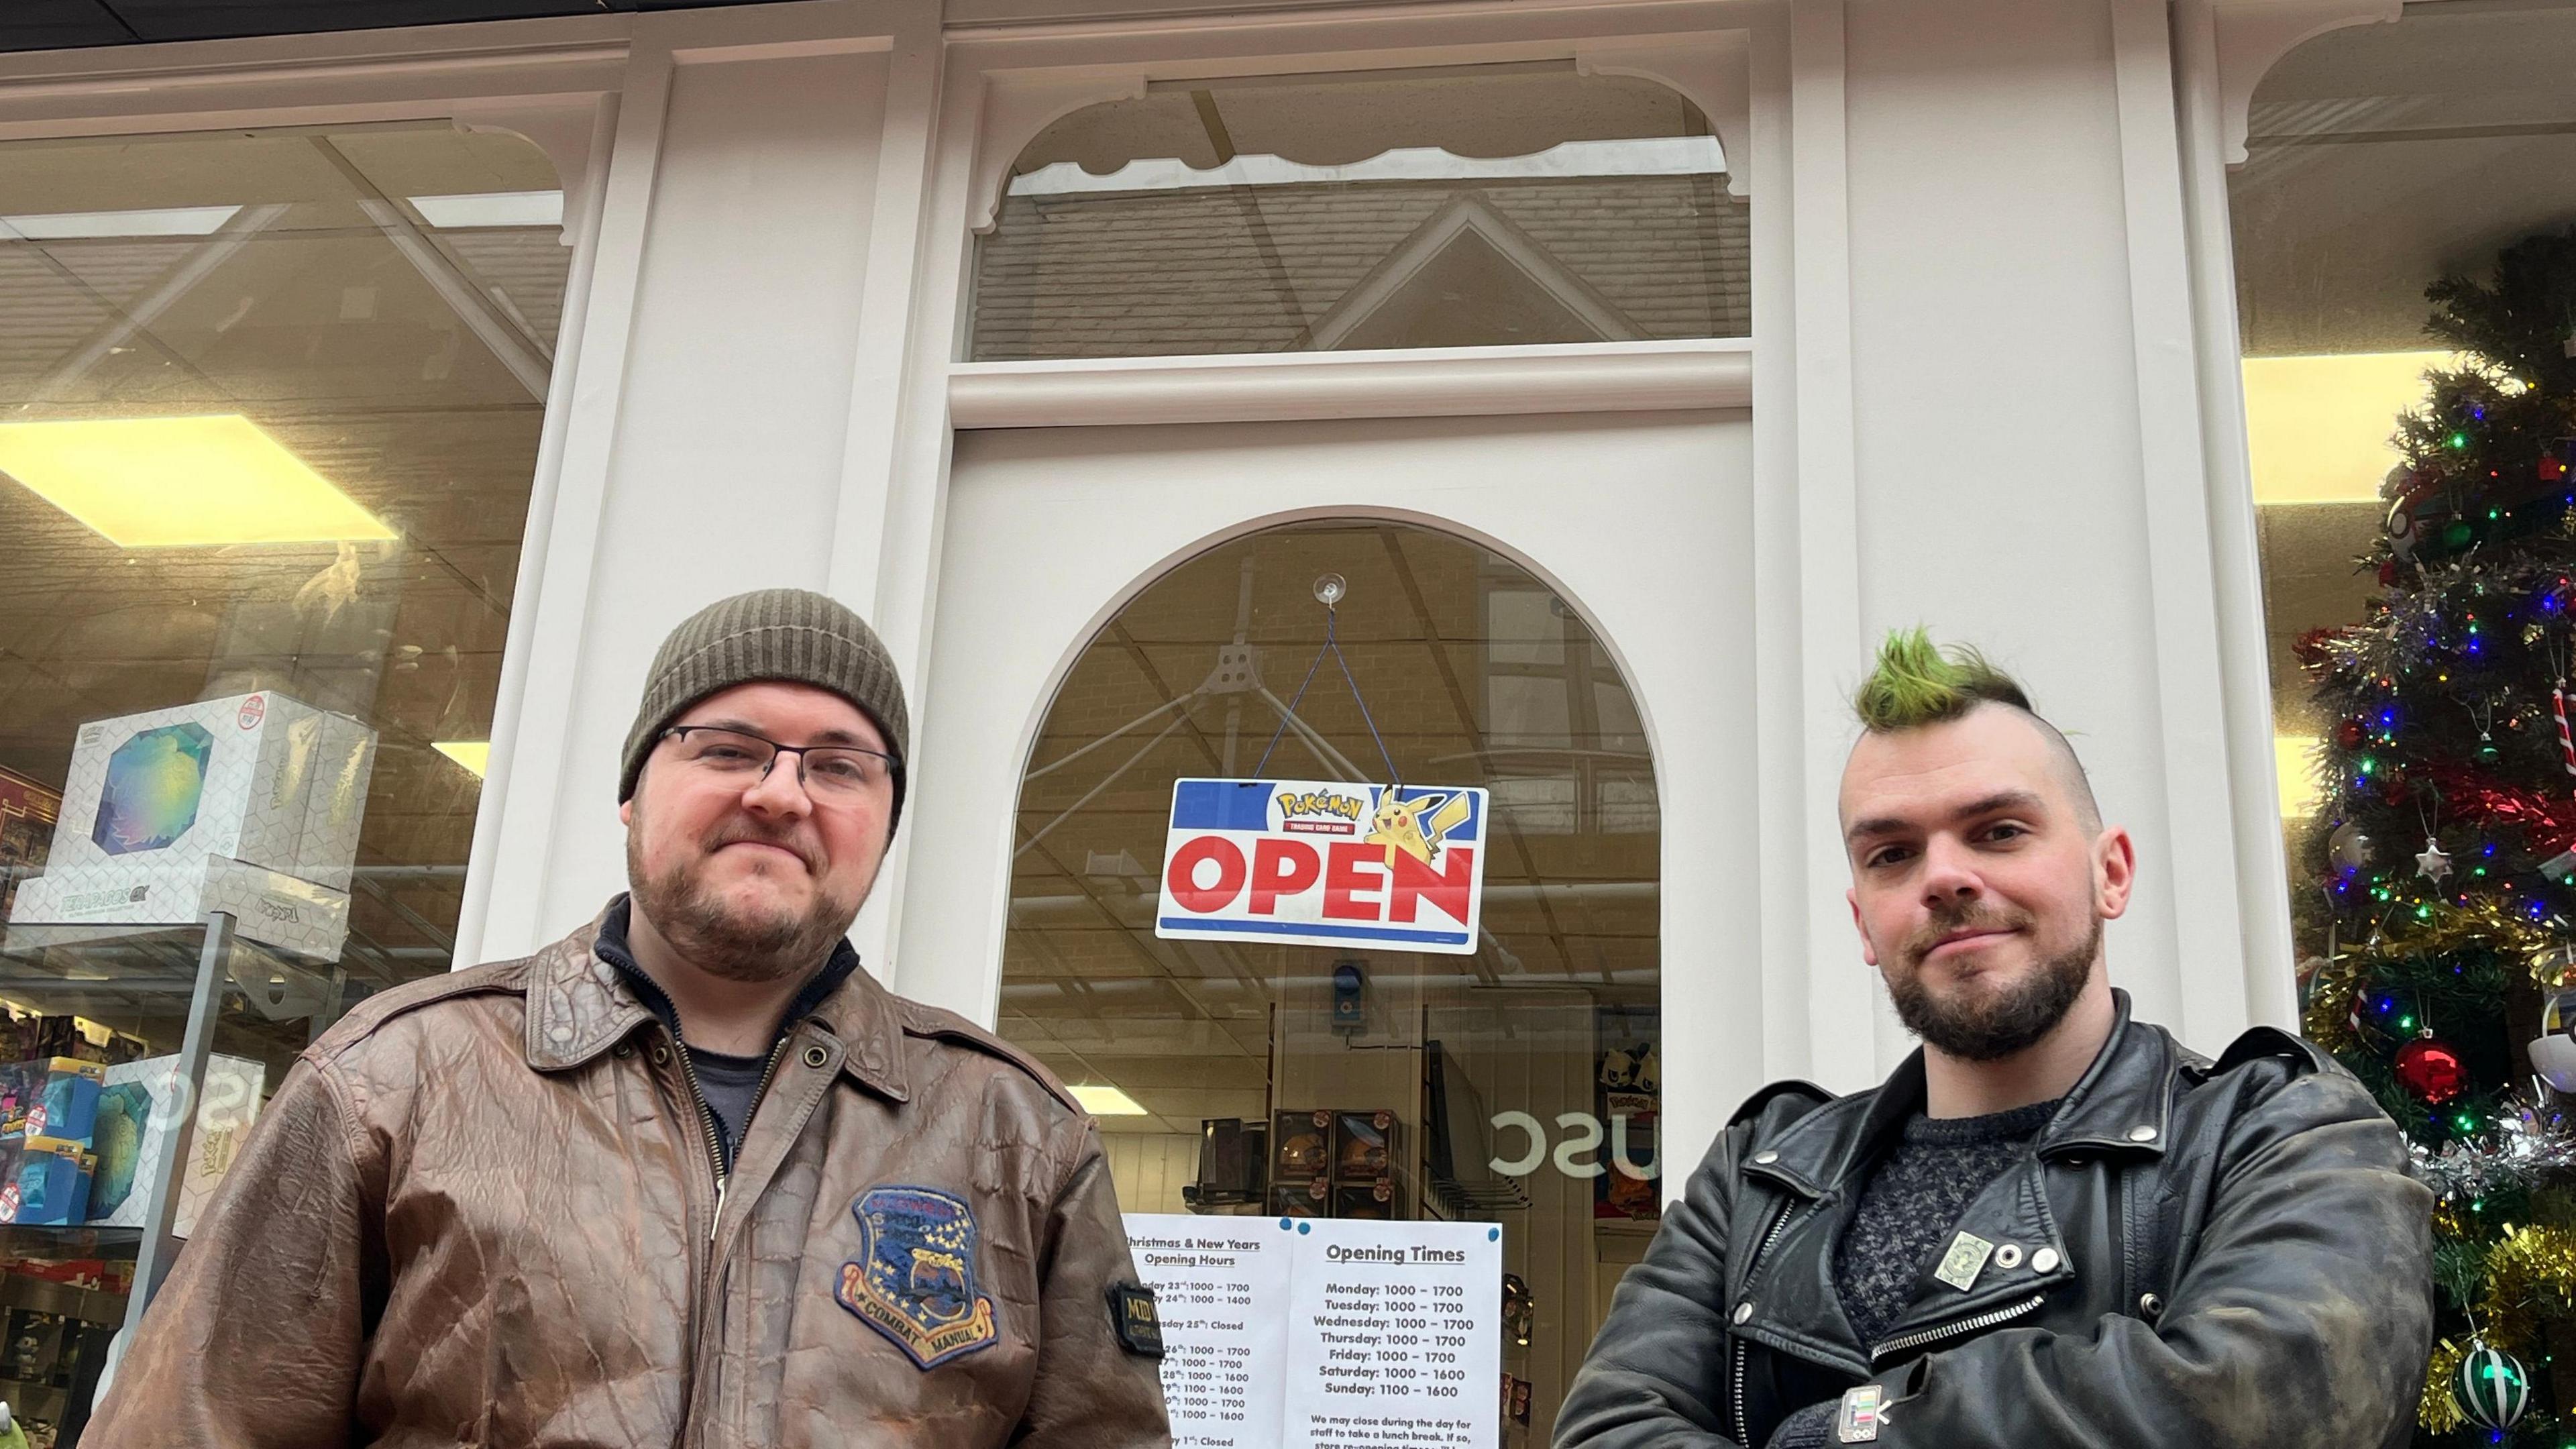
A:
x: 1916, y: 684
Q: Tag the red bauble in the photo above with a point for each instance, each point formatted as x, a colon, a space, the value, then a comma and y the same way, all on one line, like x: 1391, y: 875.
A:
x: 2348, y: 734
x: 2388, y: 573
x: 2430, y: 1068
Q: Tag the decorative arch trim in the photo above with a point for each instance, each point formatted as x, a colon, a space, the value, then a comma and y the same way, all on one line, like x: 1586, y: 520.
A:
x: 1016, y: 108
x: 2253, y: 36
x: 1713, y: 70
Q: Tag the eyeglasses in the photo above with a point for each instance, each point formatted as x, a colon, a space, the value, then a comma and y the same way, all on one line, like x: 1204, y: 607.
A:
x: 837, y: 774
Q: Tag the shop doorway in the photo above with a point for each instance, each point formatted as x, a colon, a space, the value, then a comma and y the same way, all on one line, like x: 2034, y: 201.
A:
x: 1120, y: 608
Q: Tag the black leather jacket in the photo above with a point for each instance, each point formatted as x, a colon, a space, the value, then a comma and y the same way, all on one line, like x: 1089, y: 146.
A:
x: 2208, y: 1254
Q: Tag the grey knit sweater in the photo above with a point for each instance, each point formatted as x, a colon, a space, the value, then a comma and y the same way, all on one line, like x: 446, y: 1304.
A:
x: 1906, y: 1216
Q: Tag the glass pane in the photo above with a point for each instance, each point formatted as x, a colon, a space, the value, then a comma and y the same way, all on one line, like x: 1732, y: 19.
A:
x: 1465, y: 207
x: 269, y: 406
x: 2407, y: 290
x: 1520, y: 1081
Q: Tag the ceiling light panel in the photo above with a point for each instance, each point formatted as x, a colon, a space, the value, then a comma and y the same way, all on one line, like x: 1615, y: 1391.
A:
x: 1102, y: 1100
x: 181, y: 482
x: 474, y: 755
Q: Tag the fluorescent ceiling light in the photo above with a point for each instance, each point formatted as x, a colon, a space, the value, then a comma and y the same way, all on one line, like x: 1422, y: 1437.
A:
x: 1643, y: 156
x: 1103, y: 1100
x: 474, y: 755
x: 491, y: 208
x: 2294, y: 765
x: 2318, y: 428
x: 178, y: 482
x: 153, y: 221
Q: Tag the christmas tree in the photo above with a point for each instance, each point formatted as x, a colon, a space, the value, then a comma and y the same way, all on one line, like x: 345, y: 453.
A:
x: 2443, y: 847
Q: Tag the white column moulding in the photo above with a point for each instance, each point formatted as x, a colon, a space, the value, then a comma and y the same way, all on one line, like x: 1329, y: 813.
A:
x: 2215, y: 974
x: 2262, y: 869
x: 1839, y: 992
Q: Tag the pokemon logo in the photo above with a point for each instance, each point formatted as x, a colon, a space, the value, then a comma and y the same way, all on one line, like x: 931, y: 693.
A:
x: 1241, y: 860
x: 1340, y: 812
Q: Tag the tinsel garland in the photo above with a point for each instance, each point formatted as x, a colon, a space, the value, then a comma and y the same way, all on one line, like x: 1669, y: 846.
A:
x: 2524, y: 1265
x: 2527, y: 1148
x: 2436, y: 1410
x: 2548, y: 825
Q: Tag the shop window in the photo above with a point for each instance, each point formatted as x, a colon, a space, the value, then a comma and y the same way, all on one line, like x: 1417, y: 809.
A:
x: 2407, y: 297
x: 1462, y: 207
x: 269, y: 405
x: 1521, y: 1079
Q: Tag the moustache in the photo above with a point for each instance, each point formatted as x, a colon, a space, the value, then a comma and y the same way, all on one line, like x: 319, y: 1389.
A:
x: 1964, y: 918
x: 739, y: 833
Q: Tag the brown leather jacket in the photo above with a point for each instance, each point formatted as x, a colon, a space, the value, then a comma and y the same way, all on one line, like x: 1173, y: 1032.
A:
x: 481, y: 1210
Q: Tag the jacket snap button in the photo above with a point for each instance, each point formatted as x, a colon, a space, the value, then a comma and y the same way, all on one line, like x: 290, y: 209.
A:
x: 661, y: 1055
x: 1743, y: 1312
x: 559, y: 1034
x: 622, y: 1050
x: 2151, y: 1304
x: 816, y: 1056
x: 2044, y: 1261
x: 2008, y: 1256
x: 2142, y: 1134
x: 1766, y: 1157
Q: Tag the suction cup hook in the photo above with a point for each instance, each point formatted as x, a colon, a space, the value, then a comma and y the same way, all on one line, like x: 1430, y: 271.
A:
x: 1329, y: 589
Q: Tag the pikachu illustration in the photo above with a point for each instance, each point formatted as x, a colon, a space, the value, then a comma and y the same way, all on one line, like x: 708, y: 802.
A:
x: 1416, y: 826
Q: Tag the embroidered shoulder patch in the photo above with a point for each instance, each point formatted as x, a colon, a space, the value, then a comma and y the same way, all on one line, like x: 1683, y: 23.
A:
x: 1132, y: 1314
x: 914, y: 1278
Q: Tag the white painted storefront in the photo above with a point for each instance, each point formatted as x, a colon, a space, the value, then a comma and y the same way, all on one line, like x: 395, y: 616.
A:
x: 1991, y: 385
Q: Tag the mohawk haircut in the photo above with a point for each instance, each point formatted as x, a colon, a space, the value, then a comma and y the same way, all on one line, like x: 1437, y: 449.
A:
x: 1918, y: 683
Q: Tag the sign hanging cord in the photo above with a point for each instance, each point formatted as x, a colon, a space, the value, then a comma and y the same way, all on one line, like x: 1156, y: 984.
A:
x: 1332, y: 646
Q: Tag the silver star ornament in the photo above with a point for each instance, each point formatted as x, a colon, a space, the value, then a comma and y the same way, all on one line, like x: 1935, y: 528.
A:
x: 2433, y: 865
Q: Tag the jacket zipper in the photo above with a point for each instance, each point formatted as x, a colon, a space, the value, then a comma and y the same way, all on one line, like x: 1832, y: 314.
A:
x: 1953, y: 1330
x: 710, y: 1131
x: 1779, y: 1225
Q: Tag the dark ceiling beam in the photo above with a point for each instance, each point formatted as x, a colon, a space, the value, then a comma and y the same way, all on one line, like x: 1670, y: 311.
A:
x: 69, y: 24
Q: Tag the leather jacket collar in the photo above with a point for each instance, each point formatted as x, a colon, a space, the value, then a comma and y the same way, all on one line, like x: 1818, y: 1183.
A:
x: 580, y: 1004
x: 2123, y: 1104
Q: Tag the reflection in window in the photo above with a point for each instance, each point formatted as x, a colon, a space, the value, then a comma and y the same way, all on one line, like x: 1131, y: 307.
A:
x: 2414, y: 512
x: 1518, y: 1079
x: 269, y: 406
x: 2380, y: 159
x: 1463, y: 207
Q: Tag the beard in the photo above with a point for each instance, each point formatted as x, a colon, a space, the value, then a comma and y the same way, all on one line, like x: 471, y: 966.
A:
x: 720, y: 938
x: 1985, y: 1026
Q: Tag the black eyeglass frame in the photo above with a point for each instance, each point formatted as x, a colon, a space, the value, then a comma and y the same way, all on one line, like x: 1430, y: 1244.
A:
x: 894, y: 763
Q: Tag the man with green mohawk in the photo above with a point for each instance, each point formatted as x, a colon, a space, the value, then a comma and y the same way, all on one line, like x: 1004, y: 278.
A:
x: 2053, y: 1226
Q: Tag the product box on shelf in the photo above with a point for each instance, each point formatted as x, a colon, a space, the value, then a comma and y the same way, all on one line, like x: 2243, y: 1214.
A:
x: 66, y: 1106
x: 52, y: 1185
x: 1362, y: 1144
x: 249, y: 805
x: 1301, y: 1145
x: 139, y: 1105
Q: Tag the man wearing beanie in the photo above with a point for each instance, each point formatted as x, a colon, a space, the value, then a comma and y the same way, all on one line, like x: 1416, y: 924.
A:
x: 689, y: 1176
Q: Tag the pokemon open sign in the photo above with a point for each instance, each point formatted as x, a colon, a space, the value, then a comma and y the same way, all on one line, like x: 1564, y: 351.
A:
x: 1324, y: 864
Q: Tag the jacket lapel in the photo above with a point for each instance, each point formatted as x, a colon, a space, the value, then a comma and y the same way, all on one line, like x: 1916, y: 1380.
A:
x: 2122, y: 1106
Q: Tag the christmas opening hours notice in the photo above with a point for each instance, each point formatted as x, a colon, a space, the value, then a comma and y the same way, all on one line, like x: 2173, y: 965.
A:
x: 1286, y: 1333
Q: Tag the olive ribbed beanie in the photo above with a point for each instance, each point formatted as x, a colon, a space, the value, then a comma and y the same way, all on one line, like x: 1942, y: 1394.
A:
x: 786, y: 634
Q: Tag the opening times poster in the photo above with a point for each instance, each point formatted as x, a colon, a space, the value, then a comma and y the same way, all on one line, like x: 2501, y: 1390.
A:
x: 1287, y: 1333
